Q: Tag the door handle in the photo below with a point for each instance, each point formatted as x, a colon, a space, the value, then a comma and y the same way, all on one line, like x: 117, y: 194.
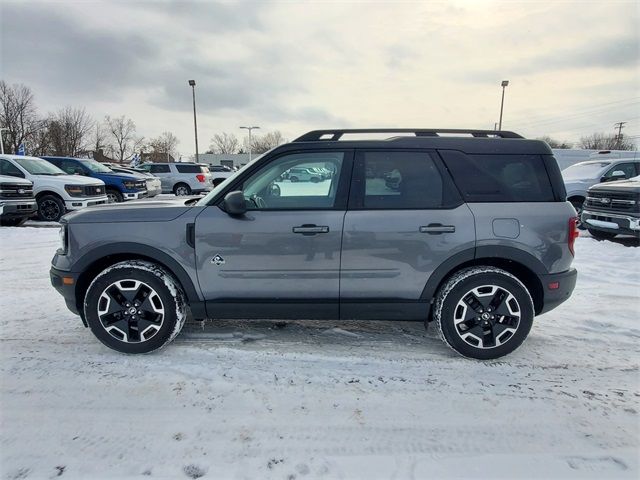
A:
x: 310, y: 229
x: 437, y: 229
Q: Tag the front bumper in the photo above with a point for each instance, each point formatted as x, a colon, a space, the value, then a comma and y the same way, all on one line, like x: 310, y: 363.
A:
x: 78, y: 203
x: 611, y: 222
x: 557, y: 288
x: 65, y: 284
x: 17, y: 208
x: 134, y: 195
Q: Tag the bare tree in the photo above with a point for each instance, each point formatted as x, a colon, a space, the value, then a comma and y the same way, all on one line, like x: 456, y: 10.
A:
x: 264, y: 143
x: 124, y: 141
x: 164, y: 145
x: 224, y: 143
x: 98, y: 138
x: 603, y: 141
x: 18, y: 115
x: 553, y: 143
x: 69, y: 131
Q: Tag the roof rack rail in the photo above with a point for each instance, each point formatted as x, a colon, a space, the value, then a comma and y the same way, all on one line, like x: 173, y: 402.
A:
x: 333, y: 135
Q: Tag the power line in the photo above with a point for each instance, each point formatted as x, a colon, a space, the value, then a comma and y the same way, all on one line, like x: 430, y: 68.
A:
x: 572, y: 116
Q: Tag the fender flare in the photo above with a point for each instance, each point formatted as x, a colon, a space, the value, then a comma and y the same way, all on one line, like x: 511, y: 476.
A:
x: 136, y: 249
x: 473, y: 254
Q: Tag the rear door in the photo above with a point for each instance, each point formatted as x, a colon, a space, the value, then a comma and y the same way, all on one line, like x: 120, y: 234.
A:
x: 282, y: 258
x: 405, y: 218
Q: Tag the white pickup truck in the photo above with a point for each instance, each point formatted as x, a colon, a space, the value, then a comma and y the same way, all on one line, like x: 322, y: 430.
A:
x: 17, y: 202
x: 56, y: 192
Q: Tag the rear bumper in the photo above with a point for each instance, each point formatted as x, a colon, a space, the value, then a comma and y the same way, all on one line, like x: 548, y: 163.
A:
x: 611, y: 222
x: 557, y: 288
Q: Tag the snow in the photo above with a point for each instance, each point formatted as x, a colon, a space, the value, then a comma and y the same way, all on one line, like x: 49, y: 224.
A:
x: 306, y: 400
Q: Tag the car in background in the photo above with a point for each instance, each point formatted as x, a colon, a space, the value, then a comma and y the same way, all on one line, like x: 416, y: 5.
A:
x: 580, y: 177
x: 184, y: 178
x: 56, y: 192
x: 613, y: 208
x: 17, y: 202
x: 219, y: 173
x: 120, y: 187
x: 154, y: 186
x: 307, y: 174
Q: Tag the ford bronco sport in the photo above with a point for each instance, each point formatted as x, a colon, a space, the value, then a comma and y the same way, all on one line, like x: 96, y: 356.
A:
x: 474, y: 235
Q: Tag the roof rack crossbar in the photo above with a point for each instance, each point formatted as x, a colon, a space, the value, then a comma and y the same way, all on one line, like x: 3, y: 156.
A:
x: 334, y: 135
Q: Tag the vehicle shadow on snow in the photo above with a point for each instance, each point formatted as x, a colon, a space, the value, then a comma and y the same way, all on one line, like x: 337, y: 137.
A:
x: 318, y: 334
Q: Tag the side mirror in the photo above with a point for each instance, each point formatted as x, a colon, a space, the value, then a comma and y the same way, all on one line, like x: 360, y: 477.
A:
x: 234, y: 203
x: 274, y: 190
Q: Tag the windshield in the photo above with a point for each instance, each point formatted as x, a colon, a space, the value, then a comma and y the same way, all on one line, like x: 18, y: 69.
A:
x: 36, y: 166
x: 204, y: 201
x: 95, y: 166
x: 584, y: 170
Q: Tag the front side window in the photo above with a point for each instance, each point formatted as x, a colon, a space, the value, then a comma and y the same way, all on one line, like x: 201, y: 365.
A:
x: 291, y: 183
x: 400, y: 179
x: 71, y: 167
x: 94, y: 166
x: 9, y: 169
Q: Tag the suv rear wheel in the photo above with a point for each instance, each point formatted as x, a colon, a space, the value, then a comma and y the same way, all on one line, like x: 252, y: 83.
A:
x: 182, y: 189
x: 483, y: 312
x: 135, y: 307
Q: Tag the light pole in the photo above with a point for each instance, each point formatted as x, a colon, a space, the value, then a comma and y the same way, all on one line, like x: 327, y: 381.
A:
x: 504, y: 85
x: 195, y: 122
x: 2, y: 140
x: 250, y: 128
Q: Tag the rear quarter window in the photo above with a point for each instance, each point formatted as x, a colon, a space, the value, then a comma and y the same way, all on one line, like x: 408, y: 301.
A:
x: 499, y: 178
x: 189, y: 168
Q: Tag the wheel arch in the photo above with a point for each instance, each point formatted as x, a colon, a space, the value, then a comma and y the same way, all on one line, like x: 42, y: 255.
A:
x: 522, y: 265
x: 91, y: 264
x: 42, y: 193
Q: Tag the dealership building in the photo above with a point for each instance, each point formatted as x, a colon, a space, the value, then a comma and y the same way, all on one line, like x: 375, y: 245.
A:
x: 231, y: 160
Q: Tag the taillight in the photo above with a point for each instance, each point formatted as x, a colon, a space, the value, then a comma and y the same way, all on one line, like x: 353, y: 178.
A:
x: 200, y: 178
x: 573, y: 234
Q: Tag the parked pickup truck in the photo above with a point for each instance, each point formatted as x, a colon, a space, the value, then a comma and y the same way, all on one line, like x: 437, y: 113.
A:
x: 120, y: 187
x: 613, y: 209
x: 17, y: 202
x: 56, y: 192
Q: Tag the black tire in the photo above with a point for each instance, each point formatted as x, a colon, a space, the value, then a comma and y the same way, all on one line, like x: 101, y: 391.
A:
x: 578, y: 205
x: 293, y: 179
x: 181, y: 189
x: 504, y: 333
x: 600, y: 235
x: 315, y: 180
x: 13, y: 221
x: 114, y: 196
x: 50, y: 208
x: 157, y: 291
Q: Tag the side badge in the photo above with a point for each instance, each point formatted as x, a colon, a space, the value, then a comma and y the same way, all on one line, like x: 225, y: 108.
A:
x: 217, y: 260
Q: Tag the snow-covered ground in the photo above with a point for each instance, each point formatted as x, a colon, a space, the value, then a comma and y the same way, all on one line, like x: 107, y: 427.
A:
x: 302, y: 400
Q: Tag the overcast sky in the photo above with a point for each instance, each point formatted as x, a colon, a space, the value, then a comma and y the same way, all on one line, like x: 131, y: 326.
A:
x: 573, y: 67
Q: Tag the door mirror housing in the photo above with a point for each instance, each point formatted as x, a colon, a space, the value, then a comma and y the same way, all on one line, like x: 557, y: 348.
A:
x: 234, y: 203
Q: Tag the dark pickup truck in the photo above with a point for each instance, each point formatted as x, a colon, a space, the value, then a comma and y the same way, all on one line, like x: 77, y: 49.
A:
x: 613, y: 208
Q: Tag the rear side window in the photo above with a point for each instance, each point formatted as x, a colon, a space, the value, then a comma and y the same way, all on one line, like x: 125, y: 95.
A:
x: 499, y: 178
x: 399, y: 180
x: 189, y: 168
x: 159, y: 168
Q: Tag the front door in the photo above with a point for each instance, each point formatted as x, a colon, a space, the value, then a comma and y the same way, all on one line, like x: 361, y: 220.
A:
x: 282, y: 258
x: 405, y: 218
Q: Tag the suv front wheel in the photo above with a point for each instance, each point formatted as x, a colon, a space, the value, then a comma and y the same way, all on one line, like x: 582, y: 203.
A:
x: 483, y: 312
x: 135, y: 307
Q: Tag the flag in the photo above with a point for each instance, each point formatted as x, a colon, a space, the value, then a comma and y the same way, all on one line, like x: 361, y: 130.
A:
x: 21, y: 150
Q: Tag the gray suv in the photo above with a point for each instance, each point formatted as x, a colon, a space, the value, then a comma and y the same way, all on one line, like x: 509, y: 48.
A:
x: 184, y: 178
x: 477, y: 237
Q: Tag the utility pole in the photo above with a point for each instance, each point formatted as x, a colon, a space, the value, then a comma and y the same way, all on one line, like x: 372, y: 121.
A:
x: 504, y: 84
x: 249, y: 129
x: 2, y: 140
x: 619, y: 126
x: 192, y: 83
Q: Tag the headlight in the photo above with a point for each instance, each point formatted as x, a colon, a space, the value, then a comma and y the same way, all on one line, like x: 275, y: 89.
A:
x: 63, y: 239
x: 74, y: 190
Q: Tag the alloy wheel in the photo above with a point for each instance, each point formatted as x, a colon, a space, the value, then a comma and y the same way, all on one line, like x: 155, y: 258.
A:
x: 487, y: 316
x: 130, y: 311
x: 182, y: 191
x: 50, y: 210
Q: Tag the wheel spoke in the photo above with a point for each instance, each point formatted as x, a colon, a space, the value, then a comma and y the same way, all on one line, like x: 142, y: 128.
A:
x: 471, y: 300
